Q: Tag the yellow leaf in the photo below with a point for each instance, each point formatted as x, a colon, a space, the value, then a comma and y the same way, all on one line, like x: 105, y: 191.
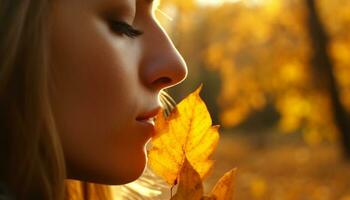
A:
x: 223, y: 190
x: 191, y: 187
x: 186, y: 131
x: 190, y: 184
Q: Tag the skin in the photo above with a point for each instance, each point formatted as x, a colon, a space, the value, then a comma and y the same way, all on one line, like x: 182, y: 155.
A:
x: 102, y: 81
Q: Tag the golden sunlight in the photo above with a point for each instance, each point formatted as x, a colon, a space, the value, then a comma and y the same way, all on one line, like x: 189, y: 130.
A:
x: 216, y: 2
x: 219, y: 2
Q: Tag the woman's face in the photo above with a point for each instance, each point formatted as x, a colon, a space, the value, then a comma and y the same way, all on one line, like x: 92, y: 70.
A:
x: 106, y: 84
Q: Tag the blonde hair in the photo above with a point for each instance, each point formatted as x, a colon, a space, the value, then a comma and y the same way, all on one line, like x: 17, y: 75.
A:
x: 33, y: 165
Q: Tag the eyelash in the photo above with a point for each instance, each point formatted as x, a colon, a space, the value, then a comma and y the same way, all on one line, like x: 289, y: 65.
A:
x: 124, y: 28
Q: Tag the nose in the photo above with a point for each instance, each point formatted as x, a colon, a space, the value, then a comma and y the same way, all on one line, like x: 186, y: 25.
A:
x: 162, y: 65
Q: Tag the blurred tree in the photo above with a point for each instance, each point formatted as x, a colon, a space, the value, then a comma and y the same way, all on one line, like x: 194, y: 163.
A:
x: 324, y: 78
x: 261, y: 51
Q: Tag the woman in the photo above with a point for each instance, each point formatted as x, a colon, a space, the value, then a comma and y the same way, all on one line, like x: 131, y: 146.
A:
x: 79, y: 87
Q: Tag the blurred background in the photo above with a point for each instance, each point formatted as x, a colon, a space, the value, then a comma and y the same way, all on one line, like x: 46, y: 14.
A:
x: 276, y: 77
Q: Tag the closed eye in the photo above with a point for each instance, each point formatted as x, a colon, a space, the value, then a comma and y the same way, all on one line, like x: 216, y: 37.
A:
x: 124, y: 28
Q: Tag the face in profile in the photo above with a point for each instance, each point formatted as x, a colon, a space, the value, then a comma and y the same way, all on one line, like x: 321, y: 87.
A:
x: 106, y: 78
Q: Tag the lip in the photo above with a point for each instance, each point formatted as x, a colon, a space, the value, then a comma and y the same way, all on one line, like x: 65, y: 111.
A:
x: 148, y: 114
x: 147, y: 127
x: 146, y: 121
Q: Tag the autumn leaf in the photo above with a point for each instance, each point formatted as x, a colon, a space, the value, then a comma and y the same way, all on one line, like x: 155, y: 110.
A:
x: 190, y: 183
x: 186, y: 131
x: 191, y: 187
x: 223, y: 190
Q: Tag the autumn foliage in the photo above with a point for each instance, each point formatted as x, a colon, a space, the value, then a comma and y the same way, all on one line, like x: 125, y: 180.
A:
x: 260, y: 61
x: 261, y: 51
x: 181, y: 150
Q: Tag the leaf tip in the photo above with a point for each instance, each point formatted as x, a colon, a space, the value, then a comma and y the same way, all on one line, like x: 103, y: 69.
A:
x: 199, y: 89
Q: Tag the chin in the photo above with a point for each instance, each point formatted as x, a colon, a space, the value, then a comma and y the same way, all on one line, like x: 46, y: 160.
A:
x: 133, y: 173
x: 118, y: 175
x: 129, y: 172
x: 111, y: 178
x: 128, y: 179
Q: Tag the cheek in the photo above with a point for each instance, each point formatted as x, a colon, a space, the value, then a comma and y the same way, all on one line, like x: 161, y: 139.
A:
x: 94, y: 101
